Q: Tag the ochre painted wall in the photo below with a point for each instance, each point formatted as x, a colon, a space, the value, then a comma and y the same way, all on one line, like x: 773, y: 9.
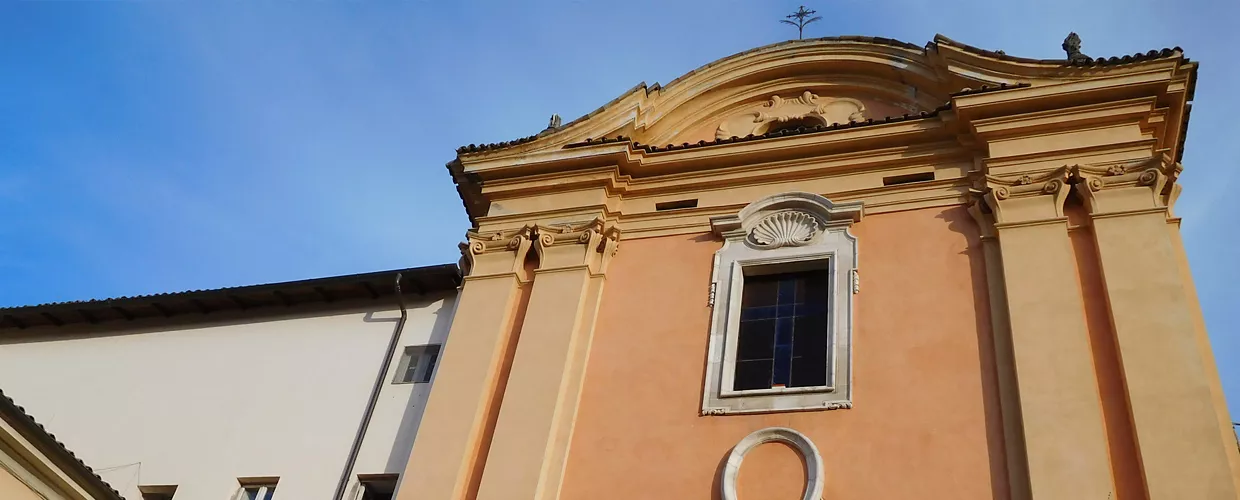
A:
x: 12, y: 488
x: 926, y: 420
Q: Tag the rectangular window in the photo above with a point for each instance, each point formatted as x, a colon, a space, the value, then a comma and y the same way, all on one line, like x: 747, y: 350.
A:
x: 259, y: 492
x: 257, y: 488
x: 782, y: 340
x: 378, y: 486
x: 781, y: 296
x: 417, y: 365
x: 160, y: 492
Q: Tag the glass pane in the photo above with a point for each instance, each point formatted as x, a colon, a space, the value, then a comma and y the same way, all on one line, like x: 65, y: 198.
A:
x: 432, y: 355
x: 412, y: 370
x: 783, y: 351
x: 752, y: 375
x: 251, y: 493
x: 756, y: 340
x: 759, y: 291
x: 271, y: 491
x: 784, y: 327
x: 810, y: 333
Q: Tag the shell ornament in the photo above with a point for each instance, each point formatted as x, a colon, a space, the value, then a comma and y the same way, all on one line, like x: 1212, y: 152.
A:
x: 785, y: 229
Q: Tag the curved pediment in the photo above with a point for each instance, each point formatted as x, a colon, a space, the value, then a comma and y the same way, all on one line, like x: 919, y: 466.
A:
x: 804, y: 83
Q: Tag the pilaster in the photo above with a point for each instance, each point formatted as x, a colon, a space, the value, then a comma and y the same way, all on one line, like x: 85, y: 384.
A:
x: 1000, y: 326
x: 530, y: 445
x: 1166, y: 368
x: 1060, y: 408
x: 453, y: 432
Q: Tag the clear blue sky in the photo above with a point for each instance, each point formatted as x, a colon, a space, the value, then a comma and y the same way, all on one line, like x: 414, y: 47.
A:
x: 154, y: 146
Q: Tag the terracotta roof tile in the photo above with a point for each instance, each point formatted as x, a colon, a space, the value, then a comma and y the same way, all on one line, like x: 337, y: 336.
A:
x: 1082, y: 61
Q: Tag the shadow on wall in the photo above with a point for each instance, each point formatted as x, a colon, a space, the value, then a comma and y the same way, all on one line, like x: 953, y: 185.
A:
x: 959, y: 221
x: 398, y: 457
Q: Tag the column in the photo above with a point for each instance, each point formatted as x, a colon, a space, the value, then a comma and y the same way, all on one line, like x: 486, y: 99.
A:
x: 530, y: 445
x: 454, y: 428
x: 1060, y: 408
x: 1167, y: 375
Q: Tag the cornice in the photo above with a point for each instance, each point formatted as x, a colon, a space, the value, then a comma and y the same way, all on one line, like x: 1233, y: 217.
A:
x: 639, y: 162
x: 1054, y: 120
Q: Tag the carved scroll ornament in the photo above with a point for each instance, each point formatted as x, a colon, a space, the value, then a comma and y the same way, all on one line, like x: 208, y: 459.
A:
x: 820, y: 110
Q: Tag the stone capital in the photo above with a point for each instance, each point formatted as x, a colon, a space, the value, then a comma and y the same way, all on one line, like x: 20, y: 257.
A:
x: 1147, y: 184
x: 591, y: 244
x: 1015, y: 199
x: 498, y: 252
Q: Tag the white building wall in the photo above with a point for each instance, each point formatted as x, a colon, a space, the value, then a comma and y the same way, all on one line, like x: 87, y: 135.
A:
x: 199, y: 406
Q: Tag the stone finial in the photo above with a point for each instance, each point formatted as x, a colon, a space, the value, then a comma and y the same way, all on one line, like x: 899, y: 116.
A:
x: 555, y: 121
x: 1072, y: 45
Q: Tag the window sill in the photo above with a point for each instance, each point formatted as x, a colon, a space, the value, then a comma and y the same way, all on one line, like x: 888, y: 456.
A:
x: 827, y: 405
x: 777, y: 391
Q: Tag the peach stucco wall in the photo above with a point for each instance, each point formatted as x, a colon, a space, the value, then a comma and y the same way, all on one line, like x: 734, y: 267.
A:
x: 926, y: 420
x: 12, y: 488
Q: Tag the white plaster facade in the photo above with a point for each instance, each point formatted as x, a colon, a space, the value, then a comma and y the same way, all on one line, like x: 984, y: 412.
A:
x: 201, y: 405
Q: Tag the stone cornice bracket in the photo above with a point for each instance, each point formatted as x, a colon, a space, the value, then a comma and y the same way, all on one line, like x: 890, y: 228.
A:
x: 591, y: 244
x: 1136, y: 185
x: 499, y: 252
x: 1025, y: 198
x: 982, y: 215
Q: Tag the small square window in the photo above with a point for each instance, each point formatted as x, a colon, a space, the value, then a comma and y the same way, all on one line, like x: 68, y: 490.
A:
x: 263, y: 488
x: 378, y: 486
x: 417, y: 364
x: 157, y: 492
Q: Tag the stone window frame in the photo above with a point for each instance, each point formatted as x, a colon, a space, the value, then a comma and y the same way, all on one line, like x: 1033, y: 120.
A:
x: 782, y: 233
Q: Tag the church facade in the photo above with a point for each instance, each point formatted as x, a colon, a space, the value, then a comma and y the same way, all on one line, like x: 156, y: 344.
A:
x: 843, y: 268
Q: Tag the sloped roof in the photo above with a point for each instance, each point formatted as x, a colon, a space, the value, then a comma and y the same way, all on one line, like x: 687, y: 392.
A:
x: 33, y: 431
x: 1083, y: 61
x: 269, y: 298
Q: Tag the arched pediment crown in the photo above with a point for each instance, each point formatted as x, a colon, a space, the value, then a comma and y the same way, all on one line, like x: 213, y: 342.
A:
x: 808, y: 83
x: 809, y: 210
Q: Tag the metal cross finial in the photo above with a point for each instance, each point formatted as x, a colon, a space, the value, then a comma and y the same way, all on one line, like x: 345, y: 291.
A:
x: 800, y: 15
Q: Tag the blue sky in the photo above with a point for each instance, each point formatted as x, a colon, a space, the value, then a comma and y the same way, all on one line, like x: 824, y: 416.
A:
x: 153, y: 146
